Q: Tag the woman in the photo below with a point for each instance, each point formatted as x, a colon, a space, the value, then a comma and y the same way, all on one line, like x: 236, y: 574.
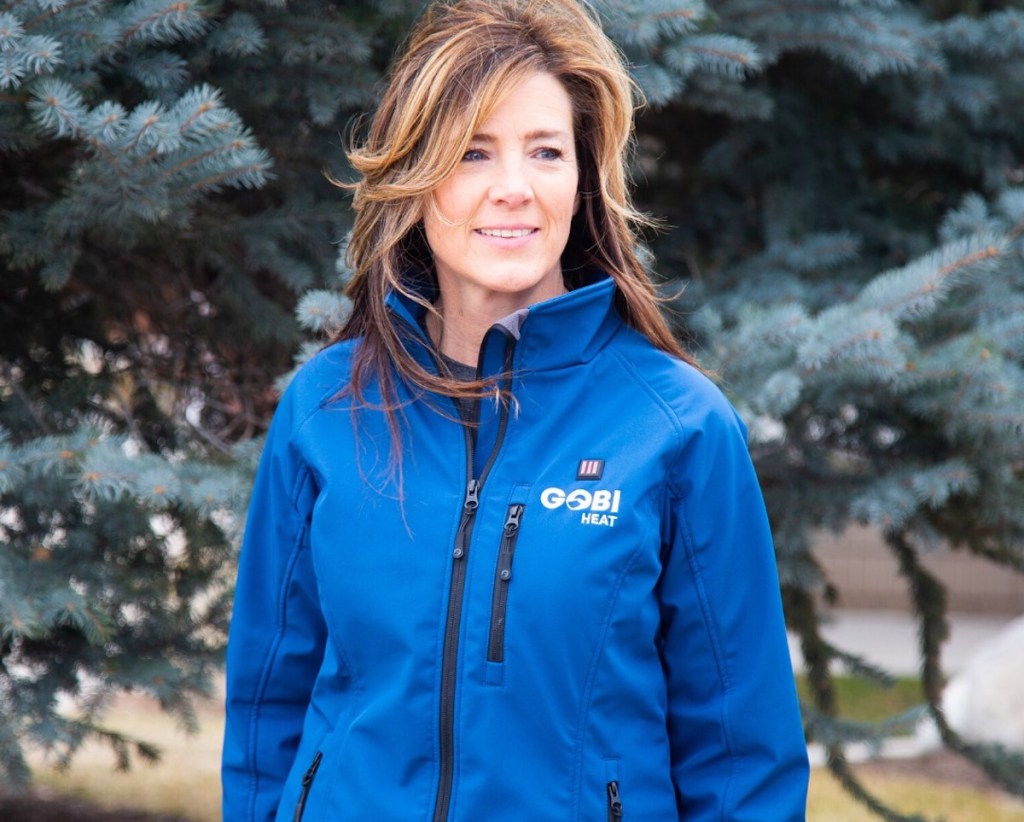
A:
x: 506, y: 557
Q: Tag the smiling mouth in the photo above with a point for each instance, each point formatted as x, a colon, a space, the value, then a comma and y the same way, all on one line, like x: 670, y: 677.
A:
x: 506, y: 233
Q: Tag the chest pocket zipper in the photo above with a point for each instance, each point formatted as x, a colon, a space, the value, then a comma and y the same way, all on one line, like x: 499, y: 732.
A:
x: 614, y: 802
x: 307, y: 783
x: 502, y: 578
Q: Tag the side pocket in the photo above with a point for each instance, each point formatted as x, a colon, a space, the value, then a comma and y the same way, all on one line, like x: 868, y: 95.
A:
x: 614, y: 802
x: 307, y: 783
x: 614, y: 799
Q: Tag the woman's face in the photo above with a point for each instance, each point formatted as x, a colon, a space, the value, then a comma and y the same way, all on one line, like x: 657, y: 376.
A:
x: 501, y: 221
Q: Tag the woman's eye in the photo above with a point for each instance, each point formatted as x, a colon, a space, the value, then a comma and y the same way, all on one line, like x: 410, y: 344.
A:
x: 550, y: 154
x: 473, y: 155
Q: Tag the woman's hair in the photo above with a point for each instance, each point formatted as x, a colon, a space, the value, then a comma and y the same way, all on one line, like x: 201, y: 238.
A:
x: 461, y: 60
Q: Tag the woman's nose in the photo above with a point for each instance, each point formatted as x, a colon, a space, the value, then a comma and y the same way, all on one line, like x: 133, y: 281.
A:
x: 510, y: 185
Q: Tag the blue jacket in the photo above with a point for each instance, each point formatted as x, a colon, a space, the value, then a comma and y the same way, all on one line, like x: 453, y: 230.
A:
x: 569, y: 614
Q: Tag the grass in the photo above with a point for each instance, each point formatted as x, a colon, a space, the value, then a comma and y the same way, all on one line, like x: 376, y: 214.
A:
x: 828, y: 802
x: 186, y: 782
x: 869, y: 701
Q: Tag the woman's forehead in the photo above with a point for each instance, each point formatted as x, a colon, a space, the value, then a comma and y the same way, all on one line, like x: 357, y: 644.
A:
x: 529, y: 92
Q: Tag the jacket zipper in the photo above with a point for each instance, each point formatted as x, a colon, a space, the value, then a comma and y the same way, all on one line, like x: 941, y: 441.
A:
x: 502, y: 577
x: 453, y: 620
x: 614, y: 802
x: 307, y: 783
x: 450, y: 653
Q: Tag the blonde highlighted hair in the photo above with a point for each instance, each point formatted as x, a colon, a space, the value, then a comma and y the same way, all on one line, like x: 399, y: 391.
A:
x: 459, y: 62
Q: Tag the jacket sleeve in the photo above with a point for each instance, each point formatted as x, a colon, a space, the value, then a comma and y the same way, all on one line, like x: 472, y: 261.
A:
x: 277, y: 635
x: 738, y: 749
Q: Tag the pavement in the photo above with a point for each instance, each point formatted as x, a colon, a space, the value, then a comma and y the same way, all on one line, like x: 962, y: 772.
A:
x: 889, y: 638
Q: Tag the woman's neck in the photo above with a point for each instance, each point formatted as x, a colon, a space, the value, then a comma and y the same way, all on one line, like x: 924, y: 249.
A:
x: 456, y: 335
x: 464, y: 316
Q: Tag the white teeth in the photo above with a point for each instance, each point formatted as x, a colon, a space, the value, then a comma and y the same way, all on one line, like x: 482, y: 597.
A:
x: 505, y: 233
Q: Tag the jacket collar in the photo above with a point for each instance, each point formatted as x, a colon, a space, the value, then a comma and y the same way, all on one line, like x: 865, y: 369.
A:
x: 557, y: 333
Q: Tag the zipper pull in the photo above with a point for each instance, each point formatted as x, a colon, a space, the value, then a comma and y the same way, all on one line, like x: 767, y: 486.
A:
x: 469, y: 506
x: 514, y: 518
x: 472, y: 499
x: 307, y: 783
x: 512, y: 522
x: 310, y: 774
x: 614, y: 802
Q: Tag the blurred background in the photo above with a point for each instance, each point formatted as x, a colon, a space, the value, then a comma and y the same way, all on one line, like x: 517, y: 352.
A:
x: 840, y: 185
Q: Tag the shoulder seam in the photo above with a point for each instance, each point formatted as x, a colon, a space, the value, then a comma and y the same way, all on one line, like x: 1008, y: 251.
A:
x: 665, y: 408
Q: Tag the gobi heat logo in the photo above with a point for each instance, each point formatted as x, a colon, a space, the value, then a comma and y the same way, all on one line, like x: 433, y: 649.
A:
x: 599, y: 507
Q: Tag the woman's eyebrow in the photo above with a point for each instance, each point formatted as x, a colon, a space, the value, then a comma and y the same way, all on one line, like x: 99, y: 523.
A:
x: 538, y: 134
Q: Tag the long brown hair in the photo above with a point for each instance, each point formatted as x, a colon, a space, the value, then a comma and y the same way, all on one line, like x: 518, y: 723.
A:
x: 460, y: 60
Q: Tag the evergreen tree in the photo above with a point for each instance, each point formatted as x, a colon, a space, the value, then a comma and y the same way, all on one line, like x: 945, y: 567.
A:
x: 163, y: 204
x: 842, y: 183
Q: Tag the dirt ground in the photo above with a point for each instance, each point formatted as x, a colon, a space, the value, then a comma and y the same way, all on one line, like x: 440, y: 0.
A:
x: 943, y: 767
x: 44, y: 806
